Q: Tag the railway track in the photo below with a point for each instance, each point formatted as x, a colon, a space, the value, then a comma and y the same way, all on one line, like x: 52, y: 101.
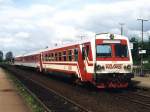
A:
x: 60, y: 96
x: 137, y: 98
x: 51, y: 100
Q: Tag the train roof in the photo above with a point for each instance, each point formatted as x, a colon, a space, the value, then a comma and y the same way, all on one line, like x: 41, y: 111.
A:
x: 98, y: 36
x: 69, y: 44
x: 29, y: 54
x: 84, y: 40
x: 108, y: 36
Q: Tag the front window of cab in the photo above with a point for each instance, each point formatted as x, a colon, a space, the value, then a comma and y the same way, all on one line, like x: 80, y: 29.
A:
x: 103, y: 50
x: 121, y: 50
x: 112, y: 51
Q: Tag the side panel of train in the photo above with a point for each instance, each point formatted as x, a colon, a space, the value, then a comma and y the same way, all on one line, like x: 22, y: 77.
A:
x: 70, y: 60
x: 29, y: 61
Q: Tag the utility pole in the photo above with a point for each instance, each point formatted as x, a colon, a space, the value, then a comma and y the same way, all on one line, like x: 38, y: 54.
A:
x: 82, y: 36
x: 142, y: 21
x: 121, y: 28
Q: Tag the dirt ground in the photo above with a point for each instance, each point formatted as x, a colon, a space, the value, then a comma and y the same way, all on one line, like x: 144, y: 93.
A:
x: 10, y: 100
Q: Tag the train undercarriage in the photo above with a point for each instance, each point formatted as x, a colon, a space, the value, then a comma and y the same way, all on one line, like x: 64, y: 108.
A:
x: 113, y: 80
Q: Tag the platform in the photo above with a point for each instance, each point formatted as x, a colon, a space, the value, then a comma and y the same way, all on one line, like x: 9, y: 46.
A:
x: 10, y: 100
x: 142, y: 81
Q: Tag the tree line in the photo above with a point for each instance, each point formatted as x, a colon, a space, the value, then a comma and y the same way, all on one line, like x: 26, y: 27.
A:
x: 7, y: 58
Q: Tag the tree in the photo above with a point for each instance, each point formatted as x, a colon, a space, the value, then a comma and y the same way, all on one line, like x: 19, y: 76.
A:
x: 9, y: 56
x: 1, y: 56
x: 135, y: 50
x: 133, y: 40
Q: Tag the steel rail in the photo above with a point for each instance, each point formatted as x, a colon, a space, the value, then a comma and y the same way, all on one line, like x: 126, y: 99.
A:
x: 132, y: 99
x: 54, y: 92
x: 33, y: 95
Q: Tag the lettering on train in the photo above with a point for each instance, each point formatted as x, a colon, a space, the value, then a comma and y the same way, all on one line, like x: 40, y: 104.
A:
x: 113, y: 66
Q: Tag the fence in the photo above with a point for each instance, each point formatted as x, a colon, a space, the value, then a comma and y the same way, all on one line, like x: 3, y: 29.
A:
x: 137, y: 71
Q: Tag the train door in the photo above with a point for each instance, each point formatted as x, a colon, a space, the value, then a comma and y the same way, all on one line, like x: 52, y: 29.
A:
x: 85, y: 57
x: 85, y: 53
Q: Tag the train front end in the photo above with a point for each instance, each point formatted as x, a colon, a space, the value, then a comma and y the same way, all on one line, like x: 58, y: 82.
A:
x: 113, y: 61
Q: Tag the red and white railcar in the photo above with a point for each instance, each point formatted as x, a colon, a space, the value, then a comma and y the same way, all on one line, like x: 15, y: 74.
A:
x: 29, y: 60
x: 104, y: 60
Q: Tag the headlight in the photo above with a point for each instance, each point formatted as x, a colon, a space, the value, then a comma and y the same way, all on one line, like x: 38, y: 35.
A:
x: 98, y: 67
x: 125, y: 67
x: 128, y: 67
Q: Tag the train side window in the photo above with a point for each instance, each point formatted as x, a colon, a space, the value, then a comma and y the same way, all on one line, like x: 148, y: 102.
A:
x: 64, y: 55
x: 31, y: 58
x: 55, y: 56
x: 76, y: 54
x: 46, y: 57
x: 43, y: 57
x: 70, y: 55
x: 49, y: 57
x: 59, y: 56
x: 52, y: 56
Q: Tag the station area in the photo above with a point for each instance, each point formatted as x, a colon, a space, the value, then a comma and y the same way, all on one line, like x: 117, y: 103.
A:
x: 143, y: 82
x: 10, y: 100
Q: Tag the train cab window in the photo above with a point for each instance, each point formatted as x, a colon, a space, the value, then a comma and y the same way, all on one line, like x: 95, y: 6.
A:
x: 64, y: 55
x: 76, y: 54
x: 59, y: 56
x: 121, y: 50
x: 87, y: 50
x: 83, y: 53
x: 103, y: 50
x: 70, y: 55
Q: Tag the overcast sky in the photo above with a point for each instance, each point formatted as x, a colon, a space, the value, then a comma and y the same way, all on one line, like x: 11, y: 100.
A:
x: 28, y: 25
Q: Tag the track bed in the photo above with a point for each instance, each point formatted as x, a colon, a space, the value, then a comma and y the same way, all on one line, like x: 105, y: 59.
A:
x: 76, y: 98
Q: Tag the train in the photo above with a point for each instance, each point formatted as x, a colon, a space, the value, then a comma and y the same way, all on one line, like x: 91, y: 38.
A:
x: 103, y: 60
